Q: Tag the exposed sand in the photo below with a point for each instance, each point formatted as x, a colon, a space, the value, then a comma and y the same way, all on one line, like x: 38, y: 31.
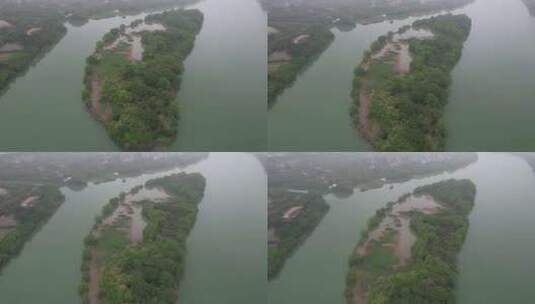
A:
x: 300, y: 38
x: 272, y: 30
x: 94, y: 281
x: 398, y: 221
x: 413, y: 33
x: 7, y: 221
x: 134, y: 230
x: 292, y: 213
x: 4, y: 23
x: 33, y: 30
x: 364, y: 109
x: 29, y: 201
x: 132, y: 37
x: 280, y: 56
x: 403, y: 59
x: 11, y: 47
x: 101, y: 110
x: 136, y: 49
x: 3, y: 191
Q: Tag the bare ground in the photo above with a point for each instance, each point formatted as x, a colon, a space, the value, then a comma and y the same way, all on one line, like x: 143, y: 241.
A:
x: 102, y: 111
x: 93, y: 279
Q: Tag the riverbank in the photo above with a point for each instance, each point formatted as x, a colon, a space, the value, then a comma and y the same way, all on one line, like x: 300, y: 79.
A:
x: 24, y: 209
x: 142, y: 227
x: 292, y: 217
x: 298, y: 34
x: 410, y: 247
x: 144, y: 113
x: 402, y: 84
x: 24, y: 40
x: 299, y: 184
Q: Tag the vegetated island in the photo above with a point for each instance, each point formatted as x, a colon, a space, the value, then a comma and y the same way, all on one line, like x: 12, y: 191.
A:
x: 401, y: 87
x: 24, y: 209
x: 132, y: 79
x: 135, y: 252
x: 299, y: 31
x: 293, y: 216
x: 289, y: 57
x: 24, y: 38
x: 298, y: 183
x: 408, y: 252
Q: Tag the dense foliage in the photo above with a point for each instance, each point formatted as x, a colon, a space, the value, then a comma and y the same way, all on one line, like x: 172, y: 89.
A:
x: 291, y: 234
x: 28, y: 219
x: 142, y: 94
x: 302, y: 54
x: 431, y: 274
x: 338, y: 174
x: 407, y: 109
x: 13, y: 64
x: 149, y: 272
x: 291, y: 18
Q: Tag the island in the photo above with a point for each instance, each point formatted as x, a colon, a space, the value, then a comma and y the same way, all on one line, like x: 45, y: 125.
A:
x: 408, y: 253
x: 29, y: 29
x: 300, y: 31
x: 401, y: 87
x: 24, y: 209
x: 132, y: 78
x: 26, y: 35
x: 299, y: 182
x: 136, y: 250
x: 292, y: 217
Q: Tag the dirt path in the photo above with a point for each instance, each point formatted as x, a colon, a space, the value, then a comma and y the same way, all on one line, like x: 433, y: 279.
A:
x: 403, y: 59
x: 103, y: 114
x: 364, y: 109
x: 360, y: 294
x: 93, y: 280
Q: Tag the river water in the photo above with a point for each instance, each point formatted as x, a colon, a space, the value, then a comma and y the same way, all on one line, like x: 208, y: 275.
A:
x: 226, y: 257
x: 491, y: 96
x: 495, y: 265
x: 222, y: 97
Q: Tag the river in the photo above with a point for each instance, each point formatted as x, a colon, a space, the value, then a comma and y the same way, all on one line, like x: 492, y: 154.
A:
x: 491, y: 97
x: 490, y: 104
x: 226, y: 257
x: 496, y: 262
x: 222, y: 97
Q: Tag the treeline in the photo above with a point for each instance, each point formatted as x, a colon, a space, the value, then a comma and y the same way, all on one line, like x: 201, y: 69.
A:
x: 142, y: 94
x: 149, y: 272
x: 28, y: 219
x: 406, y: 109
x: 302, y: 54
x: 431, y: 274
x: 291, y: 233
x: 33, y: 46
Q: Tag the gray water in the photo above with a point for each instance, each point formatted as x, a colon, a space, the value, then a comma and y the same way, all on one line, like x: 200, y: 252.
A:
x: 313, y: 114
x: 491, y: 102
x: 495, y: 265
x: 226, y: 248
x: 490, y: 106
x: 222, y: 97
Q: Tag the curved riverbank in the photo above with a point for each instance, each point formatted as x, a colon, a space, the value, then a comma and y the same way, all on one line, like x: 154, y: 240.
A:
x: 227, y: 243
x: 42, y: 110
x: 501, y: 218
